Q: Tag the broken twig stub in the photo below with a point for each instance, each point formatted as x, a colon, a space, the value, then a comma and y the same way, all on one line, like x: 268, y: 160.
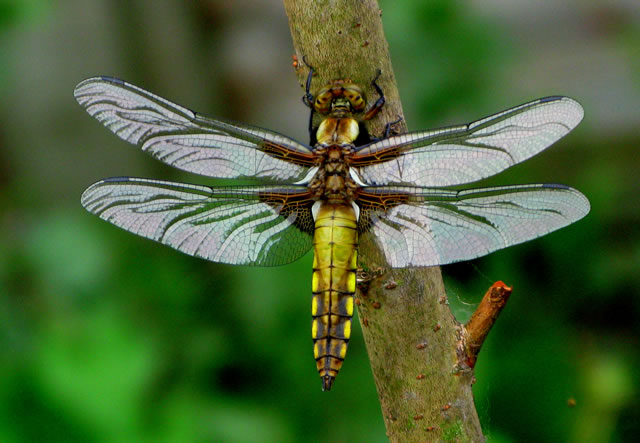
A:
x: 474, y: 333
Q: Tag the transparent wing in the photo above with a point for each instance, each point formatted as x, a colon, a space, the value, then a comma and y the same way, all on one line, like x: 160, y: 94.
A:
x: 437, y: 227
x: 189, y: 141
x: 250, y: 225
x: 467, y: 153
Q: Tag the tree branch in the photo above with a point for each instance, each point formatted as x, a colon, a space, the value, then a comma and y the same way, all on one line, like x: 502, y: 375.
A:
x: 410, y: 333
x: 477, y: 328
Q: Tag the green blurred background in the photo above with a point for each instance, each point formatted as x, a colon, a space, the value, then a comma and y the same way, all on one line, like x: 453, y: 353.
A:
x: 108, y: 337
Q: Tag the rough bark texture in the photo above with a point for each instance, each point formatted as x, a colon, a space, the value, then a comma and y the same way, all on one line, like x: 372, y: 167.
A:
x: 410, y: 333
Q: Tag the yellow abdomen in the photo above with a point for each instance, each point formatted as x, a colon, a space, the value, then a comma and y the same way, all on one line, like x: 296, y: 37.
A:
x: 335, y: 242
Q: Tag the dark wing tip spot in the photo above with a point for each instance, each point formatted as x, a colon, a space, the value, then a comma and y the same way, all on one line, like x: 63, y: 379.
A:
x: 552, y: 98
x: 117, y: 179
x: 109, y: 79
x: 555, y: 186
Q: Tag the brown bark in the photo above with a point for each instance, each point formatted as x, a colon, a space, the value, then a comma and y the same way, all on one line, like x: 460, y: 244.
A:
x: 410, y: 333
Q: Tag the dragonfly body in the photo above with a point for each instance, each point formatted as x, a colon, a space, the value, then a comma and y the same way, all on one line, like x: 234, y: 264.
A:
x: 327, y: 195
x: 335, y: 238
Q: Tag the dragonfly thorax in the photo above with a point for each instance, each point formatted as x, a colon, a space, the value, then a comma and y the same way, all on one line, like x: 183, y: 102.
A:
x: 337, y: 131
x: 335, y: 137
x: 332, y: 182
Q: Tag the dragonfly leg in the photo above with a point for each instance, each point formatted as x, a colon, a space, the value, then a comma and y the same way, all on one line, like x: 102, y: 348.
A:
x: 388, y: 126
x: 377, y: 106
x: 307, y: 98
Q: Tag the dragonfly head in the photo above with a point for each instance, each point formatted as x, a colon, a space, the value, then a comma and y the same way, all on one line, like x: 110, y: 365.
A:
x: 338, y: 98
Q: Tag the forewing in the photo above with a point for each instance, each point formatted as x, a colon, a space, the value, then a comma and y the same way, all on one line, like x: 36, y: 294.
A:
x: 436, y: 227
x: 467, y: 153
x: 250, y: 225
x: 190, y: 141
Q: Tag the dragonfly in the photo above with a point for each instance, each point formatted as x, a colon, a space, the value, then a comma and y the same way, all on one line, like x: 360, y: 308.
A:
x: 329, y: 194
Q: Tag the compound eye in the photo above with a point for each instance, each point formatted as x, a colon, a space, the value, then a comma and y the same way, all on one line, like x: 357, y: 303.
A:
x: 322, y: 102
x: 357, y: 102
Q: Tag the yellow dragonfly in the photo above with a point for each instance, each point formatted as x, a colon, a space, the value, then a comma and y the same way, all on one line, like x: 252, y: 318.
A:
x: 328, y: 194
